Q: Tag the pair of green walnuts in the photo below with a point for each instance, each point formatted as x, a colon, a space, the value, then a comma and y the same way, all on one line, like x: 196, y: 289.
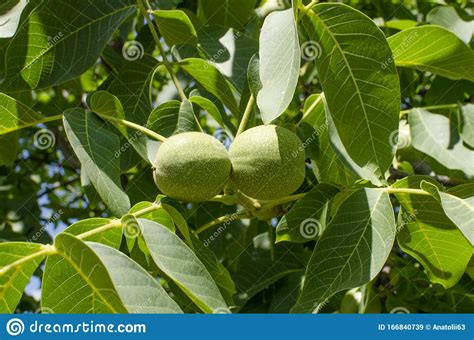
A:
x: 264, y: 162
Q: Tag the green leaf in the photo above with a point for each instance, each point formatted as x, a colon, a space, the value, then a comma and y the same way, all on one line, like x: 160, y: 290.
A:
x: 180, y: 222
x: 459, y: 208
x: 466, y: 129
x: 461, y: 212
x: 175, y: 27
x: 10, y: 13
x: 253, y: 75
x: 280, y: 56
x: 110, y: 237
x: 93, y: 197
x: 106, y: 104
x: 48, y: 49
x: 182, y: 266
x: 8, y: 148
x: 77, y: 282
x: 16, y: 115
x: 433, y: 49
x: 94, y: 145
x: 352, y: 249
x: 306, y: 218
x: 369, y: 171
x: 218, y: 271
x: 211, y: 80
x: 400, y: 25
x: 433, y: 135
x: 186, y: 121
x: 14, y: 281
x: 430, y: 236
x: 172, y: 117
x: 325, y: 163
x: 226, y: 13
x: 131, y: 85
x: 229, y: 50
x: 258, y: 266
x: 160, y: 216
x: 448, y: 17
x: 209, y: 107
x: 139, y: 291
x: 359, y: 80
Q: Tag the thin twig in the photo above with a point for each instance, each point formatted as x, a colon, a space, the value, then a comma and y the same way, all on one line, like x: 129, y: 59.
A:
x: 246, y: 116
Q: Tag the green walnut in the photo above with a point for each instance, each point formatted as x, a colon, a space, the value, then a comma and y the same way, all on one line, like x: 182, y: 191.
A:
x: 268, y: 162
x: 192, y: 167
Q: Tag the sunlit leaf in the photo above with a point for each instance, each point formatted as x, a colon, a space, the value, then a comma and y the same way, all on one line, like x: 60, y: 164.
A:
x: 447, y: 17
x: 179, y: 263
x: 94, y: 145
x: 139, y: 291
x: 433, y: 49
x: 14, y: 280
x: 280, y: 56
x: 111, y: 237
x: 466, y: 128
x: 352, y: 249
x: 76, y: 280
x: 45, y: 45
x: 16, y: 115
x: 430, y: 236
x: 433, y: 135
x: 458, y: 204
x: 10, y: 13
x: 359, y: 80
x: 212, y: 80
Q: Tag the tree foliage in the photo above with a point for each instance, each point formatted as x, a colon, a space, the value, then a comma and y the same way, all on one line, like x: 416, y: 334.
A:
x: 381, y: 98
